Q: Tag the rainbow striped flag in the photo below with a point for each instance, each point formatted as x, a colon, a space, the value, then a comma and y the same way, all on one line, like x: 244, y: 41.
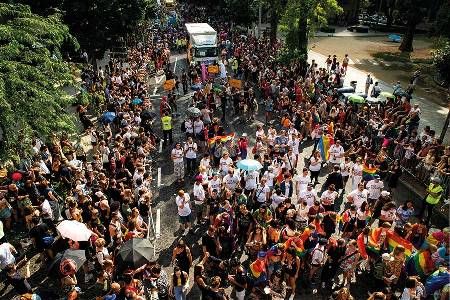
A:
x: 222, y: 138
x: 420, y: 263
x: 257, y: 268
x: 369, y: 171
x: 394, y: 240
x: 324, y: 145
x: 297, y: 243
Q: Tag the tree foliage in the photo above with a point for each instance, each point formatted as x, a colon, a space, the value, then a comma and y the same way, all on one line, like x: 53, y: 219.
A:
x: 303, y: 17
x: 31, y: 74
x: 441, y: 60
x: 243, y: 12
x: 443, y: 20
x: 97, y: 23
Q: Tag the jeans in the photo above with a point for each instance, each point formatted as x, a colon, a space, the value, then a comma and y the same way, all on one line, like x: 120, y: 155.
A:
x: 178, y: 293
x: 190, y: 165
x: 167, y: 134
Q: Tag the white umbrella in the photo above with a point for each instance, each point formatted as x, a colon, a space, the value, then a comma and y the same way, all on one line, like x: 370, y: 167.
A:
x: 74, y: 230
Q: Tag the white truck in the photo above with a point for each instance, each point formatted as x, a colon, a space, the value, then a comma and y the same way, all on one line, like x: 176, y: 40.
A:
x: 202, y: 45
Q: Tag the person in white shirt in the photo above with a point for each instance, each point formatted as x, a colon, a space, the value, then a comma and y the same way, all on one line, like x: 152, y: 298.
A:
x: 189, y: 127
x: 318, y: 257
x: 225, y: 163
x: 346, y: 167
x: 270, y: 175
x: 214, y: 183
x: 206, y: 162
x: 301, y: 181
x: 251, y: 181
x: 276, y: 198
x: 198, y: 127
x: 374, y: 186
x: 290, y: 161
x: 199, y: 199
x: 356, y: 172
x: 336, y: 153
x: 178, y: 163
x: 231, y: 180
x: 309, y: 195
x: 315, y: 166
x: 190, y: 151
x: 7, y: 258
x: 262, y: 192
x: 294, y: 144
x: 184, y: 209
x: 358, y: 196
x: 328, y: 197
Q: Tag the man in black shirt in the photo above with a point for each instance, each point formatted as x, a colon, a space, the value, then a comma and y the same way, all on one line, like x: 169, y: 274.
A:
x: 239, y: 281
x: 19, y: 282
x: 335, y: 178
x: 210, y: 242
x: 37, y: 234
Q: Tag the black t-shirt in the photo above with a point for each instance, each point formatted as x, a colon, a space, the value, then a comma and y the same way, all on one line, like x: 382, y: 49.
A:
x: 244, y: 222
x: 20, y: 284
x: 240, y: 278
x: 38, y: 232
x: 210, y: 244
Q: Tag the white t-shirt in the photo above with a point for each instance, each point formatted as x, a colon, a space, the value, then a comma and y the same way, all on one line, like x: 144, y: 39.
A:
x: 302, y: 182
x: 276, y: 200
x: 389, y: 214
x: 205, y: 162
x: 47, y: 210
x: 251, y: 180
x: 199, y: 193
x: 225, y: 164
x: 357, y: 170
x: 231, y: 181
x: 316, y: 167
x: 294, y: 144
x: 336, y: 153
x: 261, y: 193
x: 6, y: 257
x: 359, y: 197
x: 318, y: 255
x: 214, y: 184
x: 308, y: 196
x: 270, y: 176
x: 191, y: 150
x: 186, y: 210
x: 328, y: 197
x: 345, y: 168
x: 178, y: 154
x: 198, y: 126
x: 375, y: 188
x: 289, y: 161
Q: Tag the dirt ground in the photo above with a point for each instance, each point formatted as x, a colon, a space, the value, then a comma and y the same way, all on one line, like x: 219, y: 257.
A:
x: 382, y: 58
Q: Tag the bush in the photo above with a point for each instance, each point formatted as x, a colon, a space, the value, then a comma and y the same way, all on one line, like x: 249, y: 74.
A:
x: 441, y: 60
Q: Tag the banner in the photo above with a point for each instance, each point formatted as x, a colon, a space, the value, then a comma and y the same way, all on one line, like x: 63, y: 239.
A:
x: 236, y: 83
x: 213, y: 69
x: 169, y: 84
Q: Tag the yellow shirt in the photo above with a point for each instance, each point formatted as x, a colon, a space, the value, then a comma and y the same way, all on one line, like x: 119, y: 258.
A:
x: 166, y: 123
x: 437, y: 189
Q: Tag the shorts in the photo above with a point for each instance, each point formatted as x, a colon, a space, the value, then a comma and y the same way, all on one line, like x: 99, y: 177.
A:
x: 185, y: 219
x: 5, y: 213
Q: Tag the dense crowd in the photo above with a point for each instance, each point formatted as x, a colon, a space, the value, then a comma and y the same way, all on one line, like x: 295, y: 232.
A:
x: 270, y: 232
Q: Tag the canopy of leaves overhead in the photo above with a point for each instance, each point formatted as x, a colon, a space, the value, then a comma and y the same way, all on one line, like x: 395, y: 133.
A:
x: 441, y: 59
x: 31, y: 74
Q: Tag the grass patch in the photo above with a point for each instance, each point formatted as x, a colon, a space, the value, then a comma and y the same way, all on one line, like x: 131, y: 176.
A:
x: 394, y: 57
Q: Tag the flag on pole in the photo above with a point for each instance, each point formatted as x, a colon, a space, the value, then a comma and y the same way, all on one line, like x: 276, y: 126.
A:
x: 222, y: 138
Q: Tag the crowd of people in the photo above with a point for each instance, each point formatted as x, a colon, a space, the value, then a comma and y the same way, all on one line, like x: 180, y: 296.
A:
x: 270, y: 232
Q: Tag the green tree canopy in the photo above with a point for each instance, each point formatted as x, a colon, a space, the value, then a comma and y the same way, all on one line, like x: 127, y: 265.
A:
x: 31, y: 74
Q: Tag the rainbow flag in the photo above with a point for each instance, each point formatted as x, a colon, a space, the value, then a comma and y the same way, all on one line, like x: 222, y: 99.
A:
x: 297, y: 243
x: 222, y: 138
x: 257, y: 268
x: 324, y: 145
x: 394, y: 240
x: 420, y: 263
x: 369, y: 171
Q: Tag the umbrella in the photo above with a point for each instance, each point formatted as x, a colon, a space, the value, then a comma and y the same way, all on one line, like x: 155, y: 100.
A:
x: 74, y: 230
x: 387, y: 95
x: 109, y: 116
x: 69, y: 259
x: 135, y: 253
x: 356, y: 99
x: 136, y: 101
x: 249, y: 165
x: 193, y: 112
x: 197, y: 87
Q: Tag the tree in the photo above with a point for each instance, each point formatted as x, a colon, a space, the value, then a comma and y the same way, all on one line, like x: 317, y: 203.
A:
x: 242, y: 12
x: 31, y: 75
x: 443, y: 20
x: 301, y: 18
x: 415, y: 11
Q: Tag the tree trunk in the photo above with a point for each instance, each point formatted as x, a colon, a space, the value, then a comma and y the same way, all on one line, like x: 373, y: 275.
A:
x: 273, y: 26
x: 406, y: 45
x: 303, y: 37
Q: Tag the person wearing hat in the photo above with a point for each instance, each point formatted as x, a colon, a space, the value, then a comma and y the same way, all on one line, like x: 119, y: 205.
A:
x: 381, y: 269
x: 433, y: 197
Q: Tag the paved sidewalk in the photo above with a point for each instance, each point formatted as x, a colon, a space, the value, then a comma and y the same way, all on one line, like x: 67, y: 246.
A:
x: 432, y: 115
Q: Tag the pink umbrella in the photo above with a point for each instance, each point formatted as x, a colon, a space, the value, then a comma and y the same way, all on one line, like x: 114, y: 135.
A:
x: 74, y: 230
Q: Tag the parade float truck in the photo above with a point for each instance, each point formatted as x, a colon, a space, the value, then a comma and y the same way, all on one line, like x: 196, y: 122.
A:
x: 202, y: 46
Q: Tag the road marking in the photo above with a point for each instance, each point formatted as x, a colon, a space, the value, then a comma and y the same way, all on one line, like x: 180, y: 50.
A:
x: 158, y: 80
x: 175, y: 64
x: 160, y: 146
x: 158, y: 223
x: 159, y: 177
x: 154, y: 90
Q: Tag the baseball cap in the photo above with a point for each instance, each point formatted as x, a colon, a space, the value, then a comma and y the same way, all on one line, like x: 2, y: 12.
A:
x: 387, y: 256
x: 385, y: 193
